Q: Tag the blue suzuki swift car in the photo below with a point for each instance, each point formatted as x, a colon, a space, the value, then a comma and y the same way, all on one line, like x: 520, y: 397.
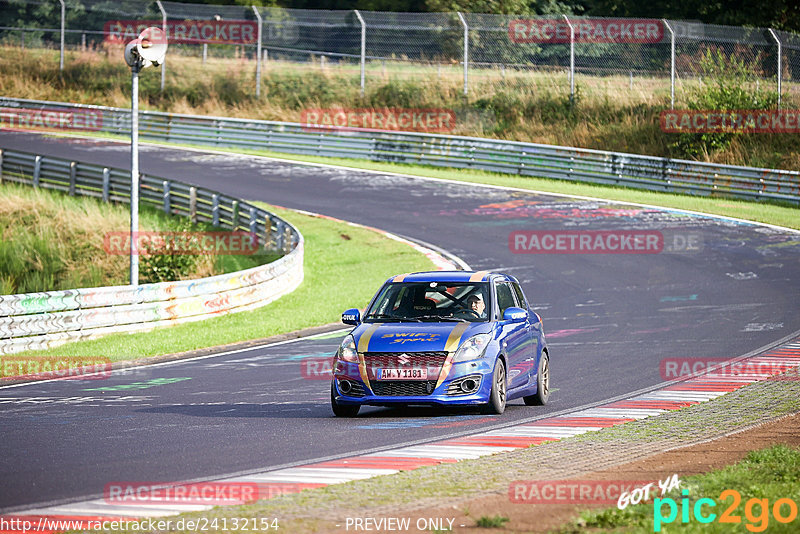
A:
x: 442, y: 338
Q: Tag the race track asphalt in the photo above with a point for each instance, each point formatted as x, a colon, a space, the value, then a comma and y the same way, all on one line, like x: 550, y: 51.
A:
x: 611, y: 319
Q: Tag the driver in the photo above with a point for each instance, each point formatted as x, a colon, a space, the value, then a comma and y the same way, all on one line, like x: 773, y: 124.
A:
x: 475, y: 303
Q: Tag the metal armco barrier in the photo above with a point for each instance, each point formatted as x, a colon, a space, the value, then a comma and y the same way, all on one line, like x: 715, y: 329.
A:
x: 525, y: 159
x: 42, y: 320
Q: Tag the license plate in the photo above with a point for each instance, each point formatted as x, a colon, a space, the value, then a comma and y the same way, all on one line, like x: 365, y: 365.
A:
x: 402, y: 374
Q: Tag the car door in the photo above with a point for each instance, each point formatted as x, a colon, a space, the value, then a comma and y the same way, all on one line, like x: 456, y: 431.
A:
x: 533, y: 324
x: 515, y: 338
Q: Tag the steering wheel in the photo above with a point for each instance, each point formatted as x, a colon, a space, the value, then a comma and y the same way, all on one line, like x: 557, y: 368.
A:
x: 467, y: 313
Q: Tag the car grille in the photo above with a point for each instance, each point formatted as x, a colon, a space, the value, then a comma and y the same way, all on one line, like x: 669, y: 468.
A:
x: 416, y: 359
x: 402, y: 388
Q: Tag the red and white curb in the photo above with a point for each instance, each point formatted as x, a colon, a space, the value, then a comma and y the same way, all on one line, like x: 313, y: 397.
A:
x: 677, y: 395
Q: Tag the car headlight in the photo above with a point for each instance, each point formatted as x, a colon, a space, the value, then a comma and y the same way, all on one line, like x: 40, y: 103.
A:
x: 473, y: 348
x: 347, y: 350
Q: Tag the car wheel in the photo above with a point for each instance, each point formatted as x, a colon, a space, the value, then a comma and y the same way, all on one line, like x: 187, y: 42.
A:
x: 342, y: 410
x: 497, y: 397
x: 543, y: 384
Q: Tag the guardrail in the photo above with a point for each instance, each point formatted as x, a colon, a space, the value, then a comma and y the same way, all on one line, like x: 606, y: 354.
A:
x: 42, y: 320
x: 525, y: 159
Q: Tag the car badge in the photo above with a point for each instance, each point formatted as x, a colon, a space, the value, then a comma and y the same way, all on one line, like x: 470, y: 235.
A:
x: 403, y: 359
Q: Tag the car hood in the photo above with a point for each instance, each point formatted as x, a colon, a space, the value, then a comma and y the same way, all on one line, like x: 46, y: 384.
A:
x: 415, y: 337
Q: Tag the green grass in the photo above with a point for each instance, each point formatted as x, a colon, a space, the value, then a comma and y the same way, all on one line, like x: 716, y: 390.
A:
x: 344, y: 266
x: 495, y: 521
x: 770, y: 474
x: 51, y: 241
x: 516, y: 105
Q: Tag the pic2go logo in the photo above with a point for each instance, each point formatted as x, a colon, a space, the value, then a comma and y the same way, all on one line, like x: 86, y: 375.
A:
x: 783, y: 510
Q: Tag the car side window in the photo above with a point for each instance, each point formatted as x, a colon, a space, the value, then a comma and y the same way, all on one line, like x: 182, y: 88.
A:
x: 520, y: 296
x: 505, y: 297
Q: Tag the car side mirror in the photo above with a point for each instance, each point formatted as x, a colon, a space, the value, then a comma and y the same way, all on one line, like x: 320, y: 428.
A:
x: 352, y: 316
x: 515, y: 315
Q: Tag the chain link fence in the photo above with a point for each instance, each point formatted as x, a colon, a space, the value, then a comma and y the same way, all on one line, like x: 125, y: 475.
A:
x: 562, y: 54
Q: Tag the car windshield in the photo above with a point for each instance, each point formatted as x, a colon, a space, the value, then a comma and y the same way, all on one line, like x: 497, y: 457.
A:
x: 431, y: 301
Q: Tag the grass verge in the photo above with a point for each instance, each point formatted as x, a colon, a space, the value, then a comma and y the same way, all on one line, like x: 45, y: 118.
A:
x: 51, y: 241
x: 747, y: 491
x: 610, y: 112
x: 336, y: 255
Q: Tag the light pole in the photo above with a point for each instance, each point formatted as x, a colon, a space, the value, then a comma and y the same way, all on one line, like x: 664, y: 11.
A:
x: 146, y: 50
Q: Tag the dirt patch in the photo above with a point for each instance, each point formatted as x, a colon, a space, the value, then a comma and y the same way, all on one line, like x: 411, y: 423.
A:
x: 538, y: 518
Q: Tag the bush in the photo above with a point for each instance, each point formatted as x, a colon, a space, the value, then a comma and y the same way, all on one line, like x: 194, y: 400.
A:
x: 728, y: 88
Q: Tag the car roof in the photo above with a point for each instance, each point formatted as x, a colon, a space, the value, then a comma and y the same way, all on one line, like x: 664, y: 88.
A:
x: 449, y: 276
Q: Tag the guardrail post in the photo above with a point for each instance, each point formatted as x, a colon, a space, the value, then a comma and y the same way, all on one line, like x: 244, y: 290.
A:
x: 1, y: 166
x: 671, y: 64
x: 73, y: 167
x: 280, y: 241
x: 166, y: 197
x: 363, y: 48
x: 258, y: 52
x: 193, y: 204
x: 466, y: 50
x: 63, y: 17
x: 780, y: 52
x: 37, y: 170
x: 215, y: 209
x: 234, y: 214
x: 106, y: 184
x: 571, y: 60
x: 253, y: 227
x: 164, y: 28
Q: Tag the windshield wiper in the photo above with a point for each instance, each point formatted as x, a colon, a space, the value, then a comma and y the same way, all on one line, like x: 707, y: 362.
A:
x: 392, y: 317
x: 440, y: 318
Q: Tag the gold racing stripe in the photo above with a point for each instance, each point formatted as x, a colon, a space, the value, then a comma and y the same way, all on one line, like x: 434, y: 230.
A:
x: 479, y: 276
x: 399, y: 278
x: 363, y: 346
x: 451, y: 346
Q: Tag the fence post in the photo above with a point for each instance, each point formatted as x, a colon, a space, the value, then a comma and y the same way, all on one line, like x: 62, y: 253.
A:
x: 363, y: 47
x: 466, y: 50
x: 571, y: 60
x: 164, y: 28
x: 780, y: 52
x: 63, y: 16
x: 671, y: 64
x: 215, y: 210
x: 258, y: 52
x: 193, y: 204
x: 166, y: 197
x: 37, y: 170
x: 73, y: 171
x: 106, y: 184
x: 1, y: 166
